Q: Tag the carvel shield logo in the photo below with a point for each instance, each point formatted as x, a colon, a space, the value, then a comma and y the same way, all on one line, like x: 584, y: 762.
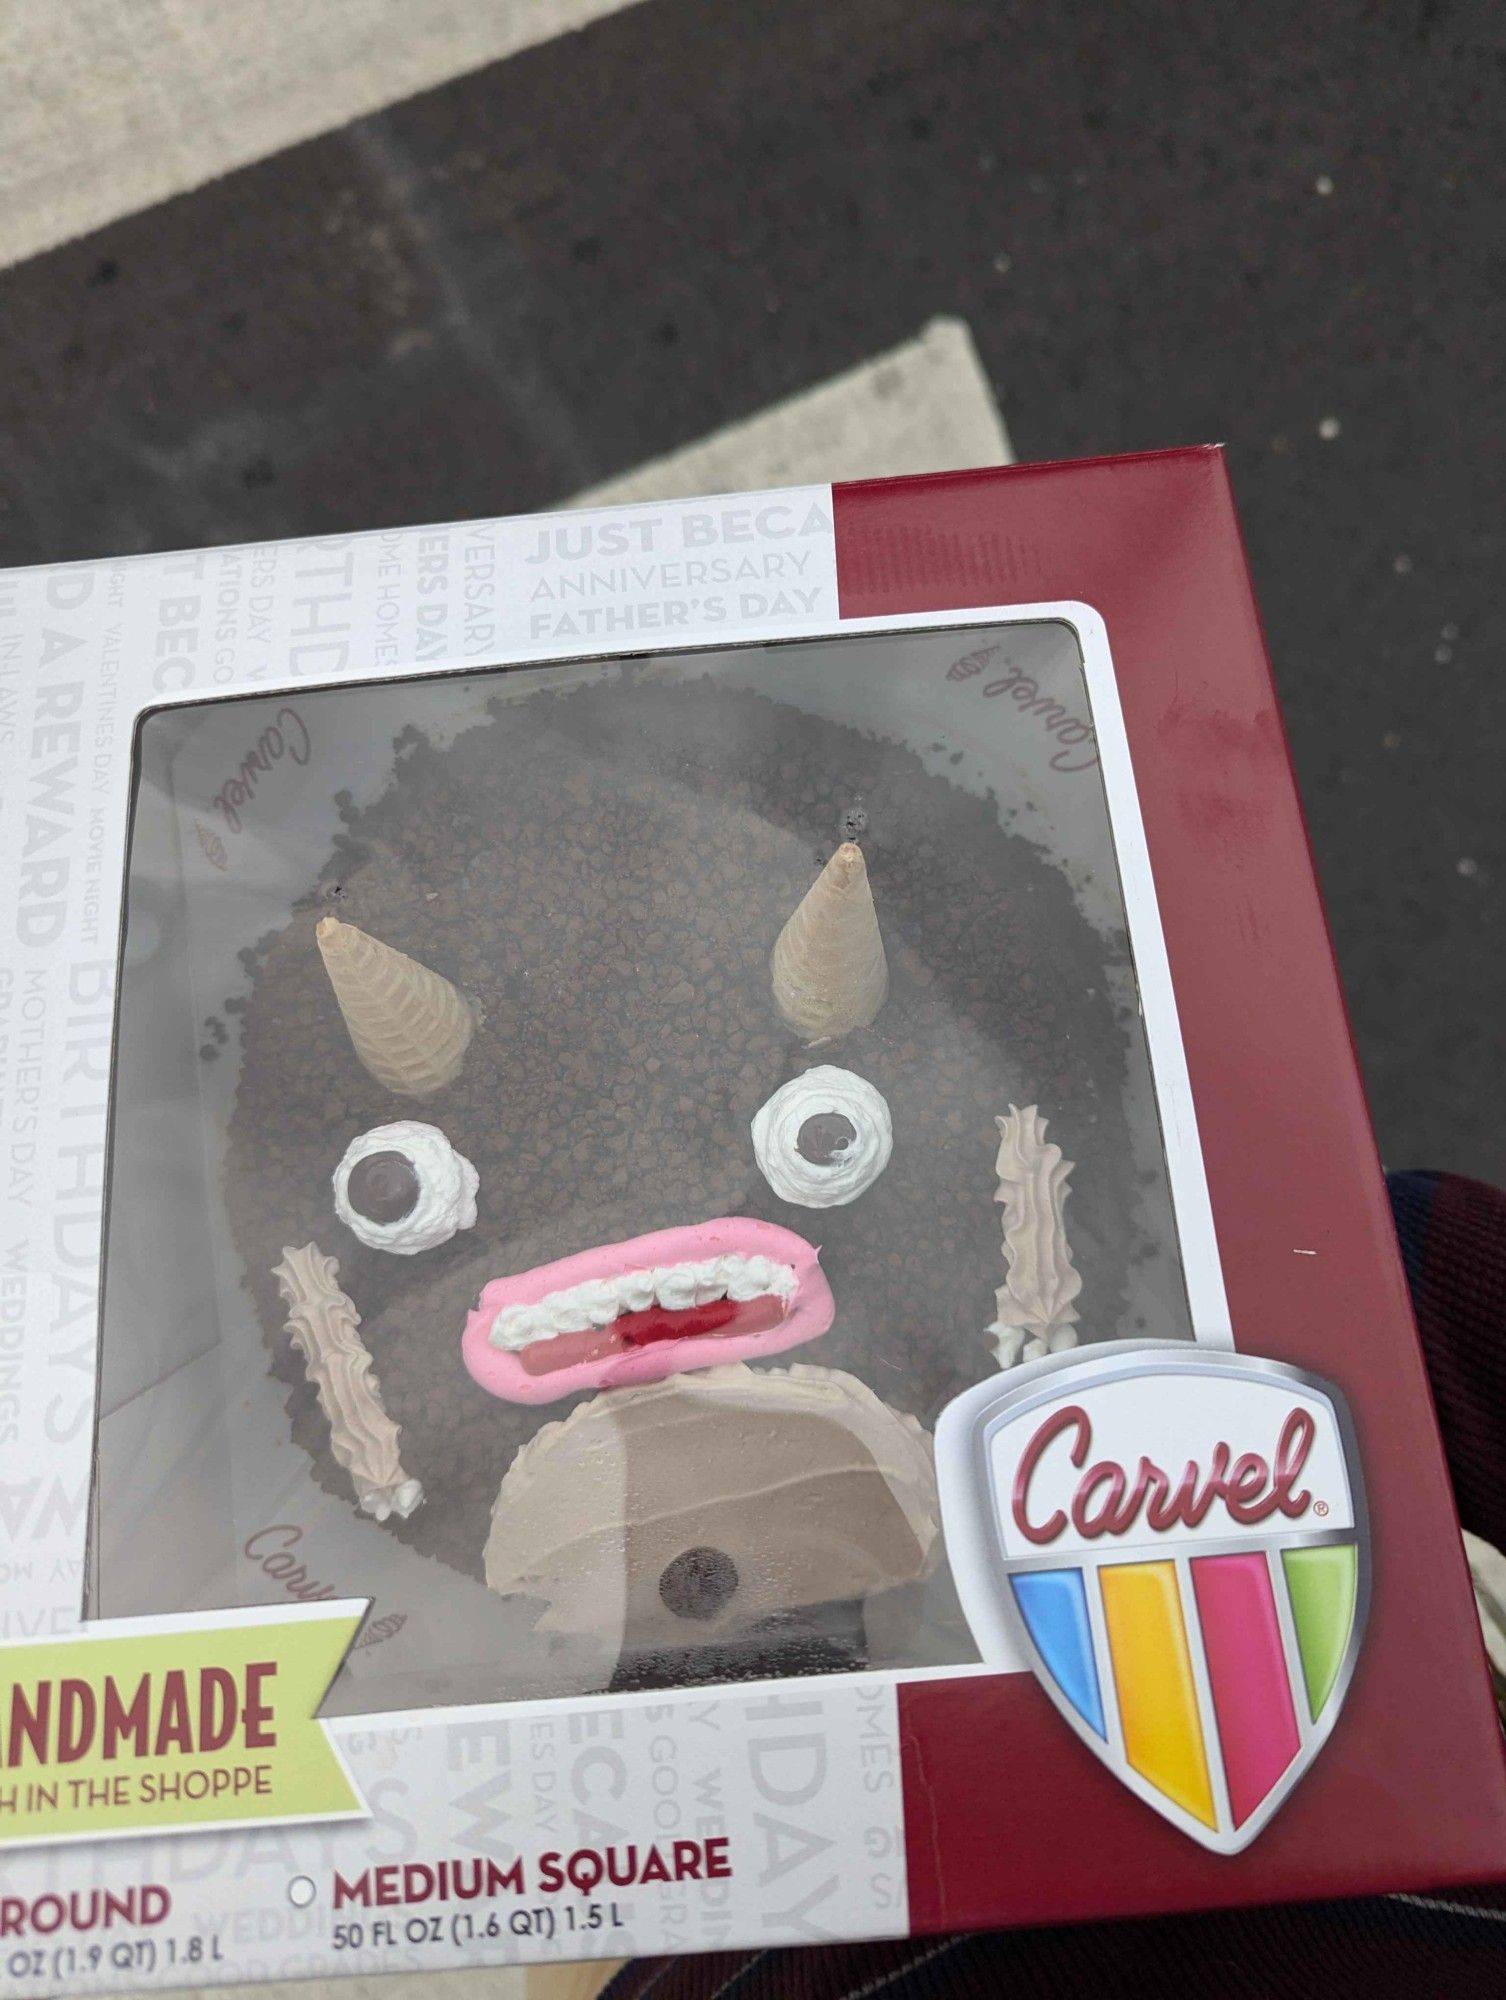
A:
x: 1174, y: 1540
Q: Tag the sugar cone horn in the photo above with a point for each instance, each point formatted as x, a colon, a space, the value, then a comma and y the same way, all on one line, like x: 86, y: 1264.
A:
x: 828, y: 968
x: 408, y: 1026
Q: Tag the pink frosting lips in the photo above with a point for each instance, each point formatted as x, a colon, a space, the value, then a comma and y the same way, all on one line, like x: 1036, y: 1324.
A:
x: 763, y: 1326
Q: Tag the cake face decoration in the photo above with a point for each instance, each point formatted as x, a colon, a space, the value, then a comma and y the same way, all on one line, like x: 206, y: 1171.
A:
x: 603, y: 868
x: 404, y: 1188
x: 636, y: 1312
x: 828, y: 970
x: 323, y: 1324
x: 823, y: 1138
x: 409, y: 1027
x: 383, y: 1187
x: 1034, y: 1312
x: 757, y: 1495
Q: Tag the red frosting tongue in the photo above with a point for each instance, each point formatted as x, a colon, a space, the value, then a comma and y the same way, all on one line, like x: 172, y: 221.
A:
x: 641, y: 1329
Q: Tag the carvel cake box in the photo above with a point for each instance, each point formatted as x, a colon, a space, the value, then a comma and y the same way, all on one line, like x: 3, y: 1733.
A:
x: 691, y: 1255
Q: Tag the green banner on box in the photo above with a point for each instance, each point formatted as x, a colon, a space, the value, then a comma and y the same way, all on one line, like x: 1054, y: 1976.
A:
x: 173, y: 1726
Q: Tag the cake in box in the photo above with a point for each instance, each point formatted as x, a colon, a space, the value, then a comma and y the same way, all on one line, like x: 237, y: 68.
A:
x: 737, y: 1273
x: 657, y: 1104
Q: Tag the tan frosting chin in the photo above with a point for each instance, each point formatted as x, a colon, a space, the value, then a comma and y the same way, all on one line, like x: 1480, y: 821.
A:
x: 802, y: 1480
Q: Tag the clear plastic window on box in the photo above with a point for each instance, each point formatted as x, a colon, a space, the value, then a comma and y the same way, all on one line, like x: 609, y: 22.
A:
x: 574, y: 1129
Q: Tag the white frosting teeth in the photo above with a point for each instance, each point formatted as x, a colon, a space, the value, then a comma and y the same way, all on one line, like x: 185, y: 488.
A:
x: 753, y: 1277
x: 636, y: 1290
x: 597, y: 1302
x: 675, y: 1288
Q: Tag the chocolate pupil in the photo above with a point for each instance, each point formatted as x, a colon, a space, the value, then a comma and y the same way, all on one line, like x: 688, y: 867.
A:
x: 823, y: 1136
x: 698, y: 1583
x: 383, y: 1187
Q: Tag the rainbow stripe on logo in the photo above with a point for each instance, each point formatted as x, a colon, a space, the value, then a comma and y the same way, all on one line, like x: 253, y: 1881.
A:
x: 1214, y: 1667
x: 1174, y: 1540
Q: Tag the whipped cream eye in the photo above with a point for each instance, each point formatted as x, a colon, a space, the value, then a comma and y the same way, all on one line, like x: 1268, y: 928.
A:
x: 822, y: 1138
x: 404, y: 1188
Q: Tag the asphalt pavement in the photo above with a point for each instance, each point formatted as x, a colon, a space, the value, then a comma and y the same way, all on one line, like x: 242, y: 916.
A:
x: 1279, y: 227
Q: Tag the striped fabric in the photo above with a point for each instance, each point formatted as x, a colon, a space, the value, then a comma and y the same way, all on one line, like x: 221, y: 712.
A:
x: 1453, y: 1244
